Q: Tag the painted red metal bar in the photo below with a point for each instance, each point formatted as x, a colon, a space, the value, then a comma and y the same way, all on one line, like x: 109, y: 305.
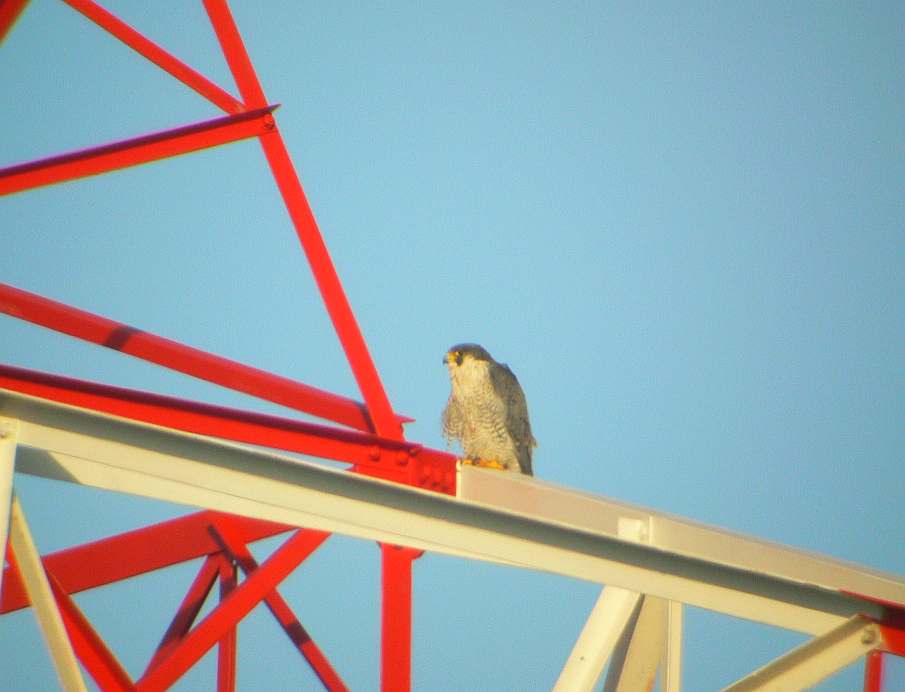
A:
x: 100, y: 663
x: 185, y: 359
x: 9, y: 13
x: 135, y: 151
x: 328, y: 282
x: 188, y: 609
x: 226, y: 648
x: 233, y: 608
x: 405, y: 462
x: 385, y: 421
x: 894, y: 636
x: 127, y: 554
x: 396, y: 617
x: 150, y: 50
x: 873, y: 672
x: 226, y: 532
x: 235, y: 53
x: 331, y: 289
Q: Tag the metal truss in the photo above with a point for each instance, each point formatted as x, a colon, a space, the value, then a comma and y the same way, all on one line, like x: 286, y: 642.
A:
x: 408, y: 497
x: 651, y: 562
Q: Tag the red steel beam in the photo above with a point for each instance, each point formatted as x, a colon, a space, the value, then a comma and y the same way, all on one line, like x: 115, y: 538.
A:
x: 386, y: 423
x: 185, y: 359
x: 188, y: 609
x: 232, y: 609
x: 894, y: 637
x: 338, y: 307
x: 873, y: 672
x: 235, y: 53
x: 406, y: 462
x: 9, y: 13
x: 132, y: 553
x: 226, y: 533
x: 396, y: 618
x: 226, y: 648
x: 135, y: 151
x: 157, y: 55
x: 100, y: 663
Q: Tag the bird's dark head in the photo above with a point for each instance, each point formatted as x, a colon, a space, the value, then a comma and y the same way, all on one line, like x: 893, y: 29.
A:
x: 459, y: 353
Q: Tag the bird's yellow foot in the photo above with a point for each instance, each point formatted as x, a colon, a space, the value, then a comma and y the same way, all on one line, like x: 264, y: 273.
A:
x: 483, y: 463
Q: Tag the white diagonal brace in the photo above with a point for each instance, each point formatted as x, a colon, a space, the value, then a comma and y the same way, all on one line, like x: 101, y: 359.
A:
x: 9, y: 427
x: 614, y: 611
x: 814, y: 660
x: 671, y: 665
x: 635, y: 668
x: 41, y: 597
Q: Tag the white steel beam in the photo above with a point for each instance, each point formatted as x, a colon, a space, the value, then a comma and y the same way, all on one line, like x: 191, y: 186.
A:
x: 671, y: 664
x: 45, y: 607
x: 9, y: 429
x: 634, y: 667
x: 614, y: 611
x: 814, y: 660
x: 681, y: 537
x: 522, y: 522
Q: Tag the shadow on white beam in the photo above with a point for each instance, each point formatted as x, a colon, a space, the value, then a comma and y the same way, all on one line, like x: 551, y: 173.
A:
x: 498, y: 518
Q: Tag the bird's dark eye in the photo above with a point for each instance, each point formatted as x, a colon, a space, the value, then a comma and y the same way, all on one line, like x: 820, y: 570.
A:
x: 458, y: 356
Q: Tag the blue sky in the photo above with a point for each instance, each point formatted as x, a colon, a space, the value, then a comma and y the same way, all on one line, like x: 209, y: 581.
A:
x: 680, y: 224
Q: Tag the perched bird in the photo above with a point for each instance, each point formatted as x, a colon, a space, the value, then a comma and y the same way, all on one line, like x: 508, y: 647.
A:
x: 487, y: 412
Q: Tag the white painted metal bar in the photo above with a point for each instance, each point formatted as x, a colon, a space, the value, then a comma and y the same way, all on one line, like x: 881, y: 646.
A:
x: 671, y: 665
x: 45, y: 607
x: 678, y: 535
x: 9, y: 430
x: 814, y: 660
x: 499, y: 517
x: 636, y: 668
x: 609, y: 618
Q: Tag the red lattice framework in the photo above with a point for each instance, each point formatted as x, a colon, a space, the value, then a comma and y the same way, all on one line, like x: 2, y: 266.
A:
x: 366, y: 435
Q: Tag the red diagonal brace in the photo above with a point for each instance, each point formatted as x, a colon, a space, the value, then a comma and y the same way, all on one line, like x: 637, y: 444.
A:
x: 185, y: 359
x: 132, y: 553
x: 235, y: 53
x: 353, y: 343
x: 224, y: 530
x: 188, y: 610
x: 233, y: 608
x: 157, y: 55
x: 9, y: 13
x: 131, y: 152
x: 100, y: 663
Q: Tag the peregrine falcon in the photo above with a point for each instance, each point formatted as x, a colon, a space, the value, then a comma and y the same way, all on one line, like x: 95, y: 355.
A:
x: 487, y: 412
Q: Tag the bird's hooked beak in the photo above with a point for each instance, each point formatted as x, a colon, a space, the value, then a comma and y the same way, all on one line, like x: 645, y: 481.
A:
x: 452, y: 358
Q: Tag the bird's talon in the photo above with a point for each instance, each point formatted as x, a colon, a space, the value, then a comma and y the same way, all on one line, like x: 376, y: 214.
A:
x: 482, y: 463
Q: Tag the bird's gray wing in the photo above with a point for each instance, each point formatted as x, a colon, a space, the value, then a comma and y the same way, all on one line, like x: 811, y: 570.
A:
x: 506, y: 385
x: 453, y: 420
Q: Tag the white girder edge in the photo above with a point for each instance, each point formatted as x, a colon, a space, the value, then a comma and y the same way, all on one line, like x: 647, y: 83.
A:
x: 104, y: 451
